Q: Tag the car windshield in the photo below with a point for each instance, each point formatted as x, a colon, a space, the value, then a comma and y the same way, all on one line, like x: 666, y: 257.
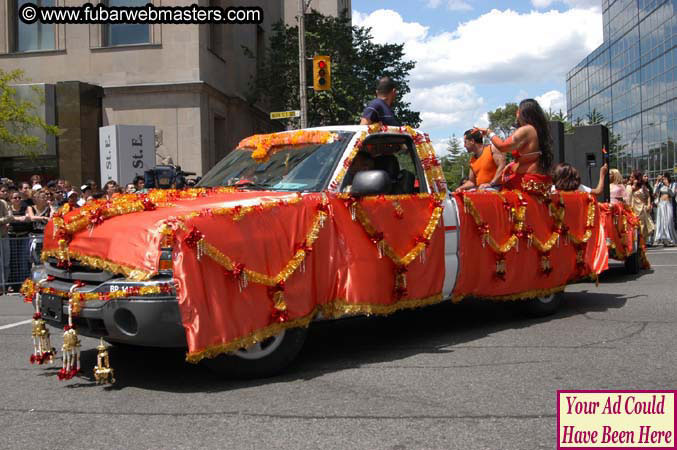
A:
x: 290, y: 168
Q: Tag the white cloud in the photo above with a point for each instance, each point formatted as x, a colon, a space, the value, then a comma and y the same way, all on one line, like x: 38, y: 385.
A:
x: 585, y: 4
x: 440, y: 146
x: 446, y: 97
x: 552, y: 100
x: 498, y: 46
x: 431, y: 120
x: 445, y: 105
x: 387, y: 26
x: 541, y: 4
x: 458, y: 5
x: 452, y: 5
x: 483, y: 120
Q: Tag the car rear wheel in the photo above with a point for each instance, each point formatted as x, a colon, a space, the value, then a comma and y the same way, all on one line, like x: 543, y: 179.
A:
x: 542, y: 306
x: 263, y: 359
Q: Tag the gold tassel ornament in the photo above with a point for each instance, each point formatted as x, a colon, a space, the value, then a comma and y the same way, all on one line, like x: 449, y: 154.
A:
x: 103, y: 373
x: 43, y: 352
x: 70, y: 351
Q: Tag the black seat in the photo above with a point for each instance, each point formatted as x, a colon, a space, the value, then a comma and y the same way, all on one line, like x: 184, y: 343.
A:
x: 391, y: 166
x: 389, y: 163
x: 404, y: 184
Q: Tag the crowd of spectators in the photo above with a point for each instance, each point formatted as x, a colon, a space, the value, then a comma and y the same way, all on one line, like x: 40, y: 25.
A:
x: 654, y: 204
x: 27, y: 206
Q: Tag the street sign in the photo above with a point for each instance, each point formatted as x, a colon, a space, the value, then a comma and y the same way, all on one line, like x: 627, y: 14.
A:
x: 125, y: 152
x: 284, y: 114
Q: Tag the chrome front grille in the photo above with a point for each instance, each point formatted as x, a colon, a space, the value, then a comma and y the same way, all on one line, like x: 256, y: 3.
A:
x: 77, y: 272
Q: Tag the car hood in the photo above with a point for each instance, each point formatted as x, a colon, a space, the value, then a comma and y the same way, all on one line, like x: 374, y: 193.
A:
x: 118, y: 238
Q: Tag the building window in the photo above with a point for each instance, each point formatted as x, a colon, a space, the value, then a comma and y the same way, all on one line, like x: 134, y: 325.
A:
x: 33, y: 37
x: 126, y: 34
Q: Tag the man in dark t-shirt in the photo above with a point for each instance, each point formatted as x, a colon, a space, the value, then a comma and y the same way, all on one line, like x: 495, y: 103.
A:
x: 378, y: 110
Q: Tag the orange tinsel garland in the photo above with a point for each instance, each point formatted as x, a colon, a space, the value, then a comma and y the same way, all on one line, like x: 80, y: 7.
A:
x: 263, y: 143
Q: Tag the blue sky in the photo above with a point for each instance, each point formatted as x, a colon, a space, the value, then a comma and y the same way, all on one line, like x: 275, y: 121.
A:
x: 474, y: 56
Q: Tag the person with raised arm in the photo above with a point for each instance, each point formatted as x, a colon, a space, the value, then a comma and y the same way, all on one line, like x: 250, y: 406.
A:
x: 531, y: 149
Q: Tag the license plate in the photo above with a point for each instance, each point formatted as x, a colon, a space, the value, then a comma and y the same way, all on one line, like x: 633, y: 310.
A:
x: 164, y: 181
x: 51, y: 307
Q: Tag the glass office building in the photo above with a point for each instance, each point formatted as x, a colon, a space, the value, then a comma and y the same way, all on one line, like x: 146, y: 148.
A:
x: 630, y: 82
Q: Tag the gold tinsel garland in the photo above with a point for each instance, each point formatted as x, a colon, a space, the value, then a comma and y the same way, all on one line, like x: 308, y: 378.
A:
x: 65, y: 255
x: 78, y: 299
x: 95, y: 212
x: 238, y: 212
x: 334, y: 309
x: 388, y: 250
x: 421, y: 242
x: 260, y: 278
x: 511, y: 297
x: 517, y: 215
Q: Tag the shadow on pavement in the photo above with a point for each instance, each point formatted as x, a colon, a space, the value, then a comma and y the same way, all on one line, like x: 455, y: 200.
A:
x: 617, y: 274
x: 344, y: 344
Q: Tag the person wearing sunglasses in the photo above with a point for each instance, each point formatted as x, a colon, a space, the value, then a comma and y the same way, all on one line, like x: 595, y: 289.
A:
x: 19, y: 229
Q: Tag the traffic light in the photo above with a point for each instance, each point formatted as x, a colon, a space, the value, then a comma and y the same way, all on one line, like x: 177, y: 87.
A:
x: 321, y: 73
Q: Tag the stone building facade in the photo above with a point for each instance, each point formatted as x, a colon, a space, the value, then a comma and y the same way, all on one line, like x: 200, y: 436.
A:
x: 189, y: 81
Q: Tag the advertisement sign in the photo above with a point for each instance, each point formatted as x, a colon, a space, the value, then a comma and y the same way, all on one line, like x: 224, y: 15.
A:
x: 125, y: 152
x: 631, y: 419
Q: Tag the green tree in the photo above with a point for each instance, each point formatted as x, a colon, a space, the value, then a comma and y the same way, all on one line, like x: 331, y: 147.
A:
x: 18, y: 118
x: 595, y: 118
x: 356, y: 64
x: 502, y: 119
x: 455, y: 163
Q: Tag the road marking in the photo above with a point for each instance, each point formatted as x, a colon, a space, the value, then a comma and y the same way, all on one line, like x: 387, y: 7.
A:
x: 11, y: 325
x: 663, y: 265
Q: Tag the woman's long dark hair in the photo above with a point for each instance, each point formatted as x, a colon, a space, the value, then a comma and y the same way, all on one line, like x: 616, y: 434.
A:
x: 639, y: 178
x: 531, y: 113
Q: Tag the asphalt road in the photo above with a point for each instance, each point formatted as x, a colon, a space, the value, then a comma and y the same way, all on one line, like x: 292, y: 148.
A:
x: 470, y: 376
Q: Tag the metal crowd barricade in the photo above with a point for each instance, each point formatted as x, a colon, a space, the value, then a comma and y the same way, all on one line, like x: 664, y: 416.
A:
x: 17, y: 255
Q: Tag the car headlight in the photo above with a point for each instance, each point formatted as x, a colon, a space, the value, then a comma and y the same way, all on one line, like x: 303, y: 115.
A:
x: 36, y: 249
x: 38, y: 273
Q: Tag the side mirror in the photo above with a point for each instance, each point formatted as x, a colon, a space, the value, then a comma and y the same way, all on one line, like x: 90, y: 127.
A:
x: 371, y: 182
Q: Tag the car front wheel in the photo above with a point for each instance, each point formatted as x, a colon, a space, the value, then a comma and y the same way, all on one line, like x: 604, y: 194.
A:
x: 264, y: 359
x: 542, y: 306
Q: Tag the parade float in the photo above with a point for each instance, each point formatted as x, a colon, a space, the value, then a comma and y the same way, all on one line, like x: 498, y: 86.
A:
x: 624, y: 239
x: 283, y: 232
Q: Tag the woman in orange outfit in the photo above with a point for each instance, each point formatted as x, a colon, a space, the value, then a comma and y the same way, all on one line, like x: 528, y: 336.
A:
x: 531, y: 148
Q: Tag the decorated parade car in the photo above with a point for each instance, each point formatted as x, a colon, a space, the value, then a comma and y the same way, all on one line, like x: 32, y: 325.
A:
x: 624, y: 240
x: 294, y: 227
